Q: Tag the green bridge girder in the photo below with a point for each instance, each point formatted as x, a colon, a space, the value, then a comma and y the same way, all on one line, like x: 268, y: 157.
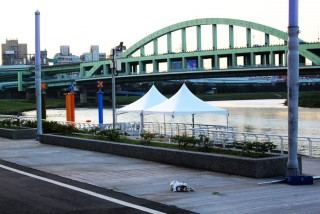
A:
x: 130, y: 63
x: 90, y: 69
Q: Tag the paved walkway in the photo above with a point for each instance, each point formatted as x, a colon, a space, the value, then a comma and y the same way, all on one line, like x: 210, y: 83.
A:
x: 215, y: 192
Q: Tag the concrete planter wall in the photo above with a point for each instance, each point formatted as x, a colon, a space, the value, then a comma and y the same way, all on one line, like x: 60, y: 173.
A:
x: 248, y: 167
x: 24, y: 133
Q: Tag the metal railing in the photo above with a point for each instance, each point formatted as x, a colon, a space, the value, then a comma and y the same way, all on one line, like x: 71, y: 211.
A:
x: 309, y: 146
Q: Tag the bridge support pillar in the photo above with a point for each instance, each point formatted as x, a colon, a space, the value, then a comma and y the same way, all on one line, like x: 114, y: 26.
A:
x: 169, y: 66
x: 30, y: 95
x: 272, y: 58
x: 20, y: 79
x: 253, y: 59
x: 200, y: 62
x: 281, y: 59
x: 215, y: 62
x: 169, y: 42
x: 246, y: 60
x: 214, y: 37
x: 155, y: 66
x: 83, y: 96
x: 128, y: 68
x: 302, y: 60
x: 105, y: 69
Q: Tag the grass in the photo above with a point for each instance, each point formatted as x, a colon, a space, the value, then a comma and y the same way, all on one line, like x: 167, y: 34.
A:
x: 17, y: 106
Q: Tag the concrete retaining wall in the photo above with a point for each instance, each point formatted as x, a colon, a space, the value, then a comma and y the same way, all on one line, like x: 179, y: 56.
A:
x: 25, y: 133
x: 248, y: 167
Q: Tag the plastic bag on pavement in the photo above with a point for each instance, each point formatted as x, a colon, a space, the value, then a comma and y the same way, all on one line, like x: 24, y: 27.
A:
x: 177, y: 186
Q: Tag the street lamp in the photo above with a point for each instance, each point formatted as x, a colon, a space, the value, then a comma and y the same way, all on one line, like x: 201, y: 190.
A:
x: 115, y: 67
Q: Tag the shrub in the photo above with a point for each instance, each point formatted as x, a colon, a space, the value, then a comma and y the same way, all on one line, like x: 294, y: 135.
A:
x: 204, y: 142
x: 111, y: 135
x: 184, y: 141
x: 257, y: 147
x: 146, y: 137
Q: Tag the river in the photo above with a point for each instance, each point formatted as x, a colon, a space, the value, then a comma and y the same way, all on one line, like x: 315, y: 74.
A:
x: 259, y: 116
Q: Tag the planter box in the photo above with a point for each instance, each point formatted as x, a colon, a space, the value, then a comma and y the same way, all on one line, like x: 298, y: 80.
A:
x: 248, y: 167
x: 23, y: 133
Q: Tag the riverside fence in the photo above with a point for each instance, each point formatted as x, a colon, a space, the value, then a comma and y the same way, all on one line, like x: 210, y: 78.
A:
x: 309, y: 146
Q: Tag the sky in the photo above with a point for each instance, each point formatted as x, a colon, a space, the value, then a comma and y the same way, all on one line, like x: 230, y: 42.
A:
x: 81, y: 23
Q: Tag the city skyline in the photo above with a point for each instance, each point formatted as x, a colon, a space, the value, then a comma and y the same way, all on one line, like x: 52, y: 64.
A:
x: 82, y: 24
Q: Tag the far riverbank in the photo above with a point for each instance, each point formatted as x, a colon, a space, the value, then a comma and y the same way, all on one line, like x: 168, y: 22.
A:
x: 17, y: 106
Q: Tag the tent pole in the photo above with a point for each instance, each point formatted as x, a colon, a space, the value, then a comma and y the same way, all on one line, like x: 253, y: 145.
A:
x: 227, y: 121
x: 164, y: 125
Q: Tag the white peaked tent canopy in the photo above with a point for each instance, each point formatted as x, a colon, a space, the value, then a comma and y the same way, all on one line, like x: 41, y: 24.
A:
x: 151, y: 98
x: 185, y: 102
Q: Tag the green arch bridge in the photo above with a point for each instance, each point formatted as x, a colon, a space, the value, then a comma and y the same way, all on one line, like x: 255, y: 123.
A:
x: 251, y: 60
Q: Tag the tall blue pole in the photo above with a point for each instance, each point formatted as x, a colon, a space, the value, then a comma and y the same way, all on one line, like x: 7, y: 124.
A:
x: 38, y: 74
x: 100, y: 107
x: 293, y: 89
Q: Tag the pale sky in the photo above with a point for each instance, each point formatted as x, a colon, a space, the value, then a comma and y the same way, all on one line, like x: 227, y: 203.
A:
x: 82, y: 23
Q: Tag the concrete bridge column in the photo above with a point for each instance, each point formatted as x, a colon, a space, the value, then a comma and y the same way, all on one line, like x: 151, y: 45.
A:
x: 267, y: 59
x: 133, y: 68
x: 169, y: 66
x: 142, y: 53
x: 302, y: 60
x: 263, y: 59
x: 286, y: 58
x: 199, y: 48
x: 252, y: 59
x: 200, y: 63
x: 30, y: 95
x: 231, y: 36
x: 127, y: 68
x: 266, y: 39
x: 247, y: 60
x: 184, y: 63
x: 215, y: 62
x: 234, y: 61
x: 82, y: 71
x: 20, y: 80
x: 155, y: 66
x: 83, y: 95
x: 272, y: 59
x: 281, y: 59
x: 155, y: 46
x: 105, y: 69
x: 214, y: 37
x: 184, y: 39
x: 229, y: 60
x: 248, y: 37
x: 169, y: 42
x: 141, y: 67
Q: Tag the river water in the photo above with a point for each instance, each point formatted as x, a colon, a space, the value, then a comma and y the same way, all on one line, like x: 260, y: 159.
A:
x: 258, y: 116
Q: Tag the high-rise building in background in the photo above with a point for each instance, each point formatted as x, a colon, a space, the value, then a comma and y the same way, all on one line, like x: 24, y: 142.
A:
x: 65, y: 50
x: 14, y: 53
x: 65, y: 57
x: 93, y: 55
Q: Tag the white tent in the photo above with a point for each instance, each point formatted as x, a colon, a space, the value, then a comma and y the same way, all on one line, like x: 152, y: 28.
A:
x: 185, y: 102
x: 151, y: 98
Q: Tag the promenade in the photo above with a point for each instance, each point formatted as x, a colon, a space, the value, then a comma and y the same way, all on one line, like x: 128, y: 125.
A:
x: 215, y: 192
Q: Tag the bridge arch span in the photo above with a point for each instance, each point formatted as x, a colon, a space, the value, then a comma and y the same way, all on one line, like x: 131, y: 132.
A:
x: 206, y: 21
